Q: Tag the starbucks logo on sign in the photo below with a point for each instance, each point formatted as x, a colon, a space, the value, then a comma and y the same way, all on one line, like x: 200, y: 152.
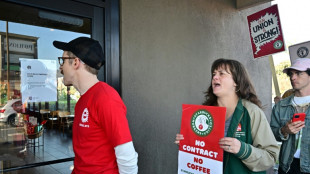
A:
x: 202, y: 123
x: 302, y: 52
x: 278, y: 44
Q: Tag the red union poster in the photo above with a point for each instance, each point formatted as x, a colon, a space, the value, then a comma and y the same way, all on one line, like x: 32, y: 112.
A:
x: 266, y: 32
x: 202, y: 128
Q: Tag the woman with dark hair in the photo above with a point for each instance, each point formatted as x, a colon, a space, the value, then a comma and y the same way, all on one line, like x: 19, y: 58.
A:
x: 249, y: 145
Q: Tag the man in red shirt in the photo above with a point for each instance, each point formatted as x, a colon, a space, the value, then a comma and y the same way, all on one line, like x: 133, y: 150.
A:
x: 101, y: 139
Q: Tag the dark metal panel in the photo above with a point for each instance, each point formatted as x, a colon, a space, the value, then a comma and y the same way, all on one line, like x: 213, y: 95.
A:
x: 98, y: 34
x: 112, y: 48
x: 98, y: 3
x: 30, y: 15
x: 65, y: 6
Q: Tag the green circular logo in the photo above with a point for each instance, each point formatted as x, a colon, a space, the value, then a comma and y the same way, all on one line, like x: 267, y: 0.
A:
x: 278, y: 44
x: 202, y: 123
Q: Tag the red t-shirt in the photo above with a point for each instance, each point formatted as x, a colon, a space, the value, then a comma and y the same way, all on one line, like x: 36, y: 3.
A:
x: 100, y: 124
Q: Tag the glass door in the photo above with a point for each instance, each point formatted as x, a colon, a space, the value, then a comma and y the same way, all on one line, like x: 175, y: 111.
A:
x: 31, y: 130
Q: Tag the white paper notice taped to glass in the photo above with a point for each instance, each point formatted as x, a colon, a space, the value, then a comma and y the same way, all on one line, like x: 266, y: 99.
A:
x: 38, y: 80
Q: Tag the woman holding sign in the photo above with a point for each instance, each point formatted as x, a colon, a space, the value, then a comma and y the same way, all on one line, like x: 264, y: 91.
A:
x: 249, y: 145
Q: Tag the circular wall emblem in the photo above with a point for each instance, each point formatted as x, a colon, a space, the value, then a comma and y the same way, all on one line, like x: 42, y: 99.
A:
x: 302, y: 52
x: 278, y: 44
x: 202, y: 123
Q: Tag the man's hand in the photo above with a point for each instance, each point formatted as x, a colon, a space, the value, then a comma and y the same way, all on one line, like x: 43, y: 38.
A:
x: 292, y: 127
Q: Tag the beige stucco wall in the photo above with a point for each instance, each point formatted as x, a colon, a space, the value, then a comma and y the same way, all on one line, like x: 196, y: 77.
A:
x: 167, y: 48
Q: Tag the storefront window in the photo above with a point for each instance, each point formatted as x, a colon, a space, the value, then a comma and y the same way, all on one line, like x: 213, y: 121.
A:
x: 39, y: 109
x: 42, y: 49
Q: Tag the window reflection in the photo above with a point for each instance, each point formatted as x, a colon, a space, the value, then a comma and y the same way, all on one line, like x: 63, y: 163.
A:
x: 24, y: 123
x: 41, y: 49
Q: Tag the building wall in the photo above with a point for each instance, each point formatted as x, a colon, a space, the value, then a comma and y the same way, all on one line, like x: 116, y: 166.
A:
x: 167, y: 49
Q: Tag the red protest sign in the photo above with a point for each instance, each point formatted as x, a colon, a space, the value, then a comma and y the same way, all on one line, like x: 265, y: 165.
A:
x: 266, y: 32
x: 202, y: 128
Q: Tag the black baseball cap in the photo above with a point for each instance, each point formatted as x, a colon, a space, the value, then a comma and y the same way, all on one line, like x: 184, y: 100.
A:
x: 87, y: 49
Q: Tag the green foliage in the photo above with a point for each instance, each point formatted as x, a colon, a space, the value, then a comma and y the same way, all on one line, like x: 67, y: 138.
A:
x: 279, y: 68
x: 62, y: 94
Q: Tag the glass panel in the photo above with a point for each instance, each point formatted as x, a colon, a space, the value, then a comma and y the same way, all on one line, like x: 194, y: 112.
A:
x: 22, y: 119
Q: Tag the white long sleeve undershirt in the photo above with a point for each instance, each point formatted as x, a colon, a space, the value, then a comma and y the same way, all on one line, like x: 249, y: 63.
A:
x: 127, y: 158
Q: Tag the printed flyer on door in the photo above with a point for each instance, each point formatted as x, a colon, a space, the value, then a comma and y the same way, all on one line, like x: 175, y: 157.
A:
x: 202, y: 128
x: 38, y: 80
